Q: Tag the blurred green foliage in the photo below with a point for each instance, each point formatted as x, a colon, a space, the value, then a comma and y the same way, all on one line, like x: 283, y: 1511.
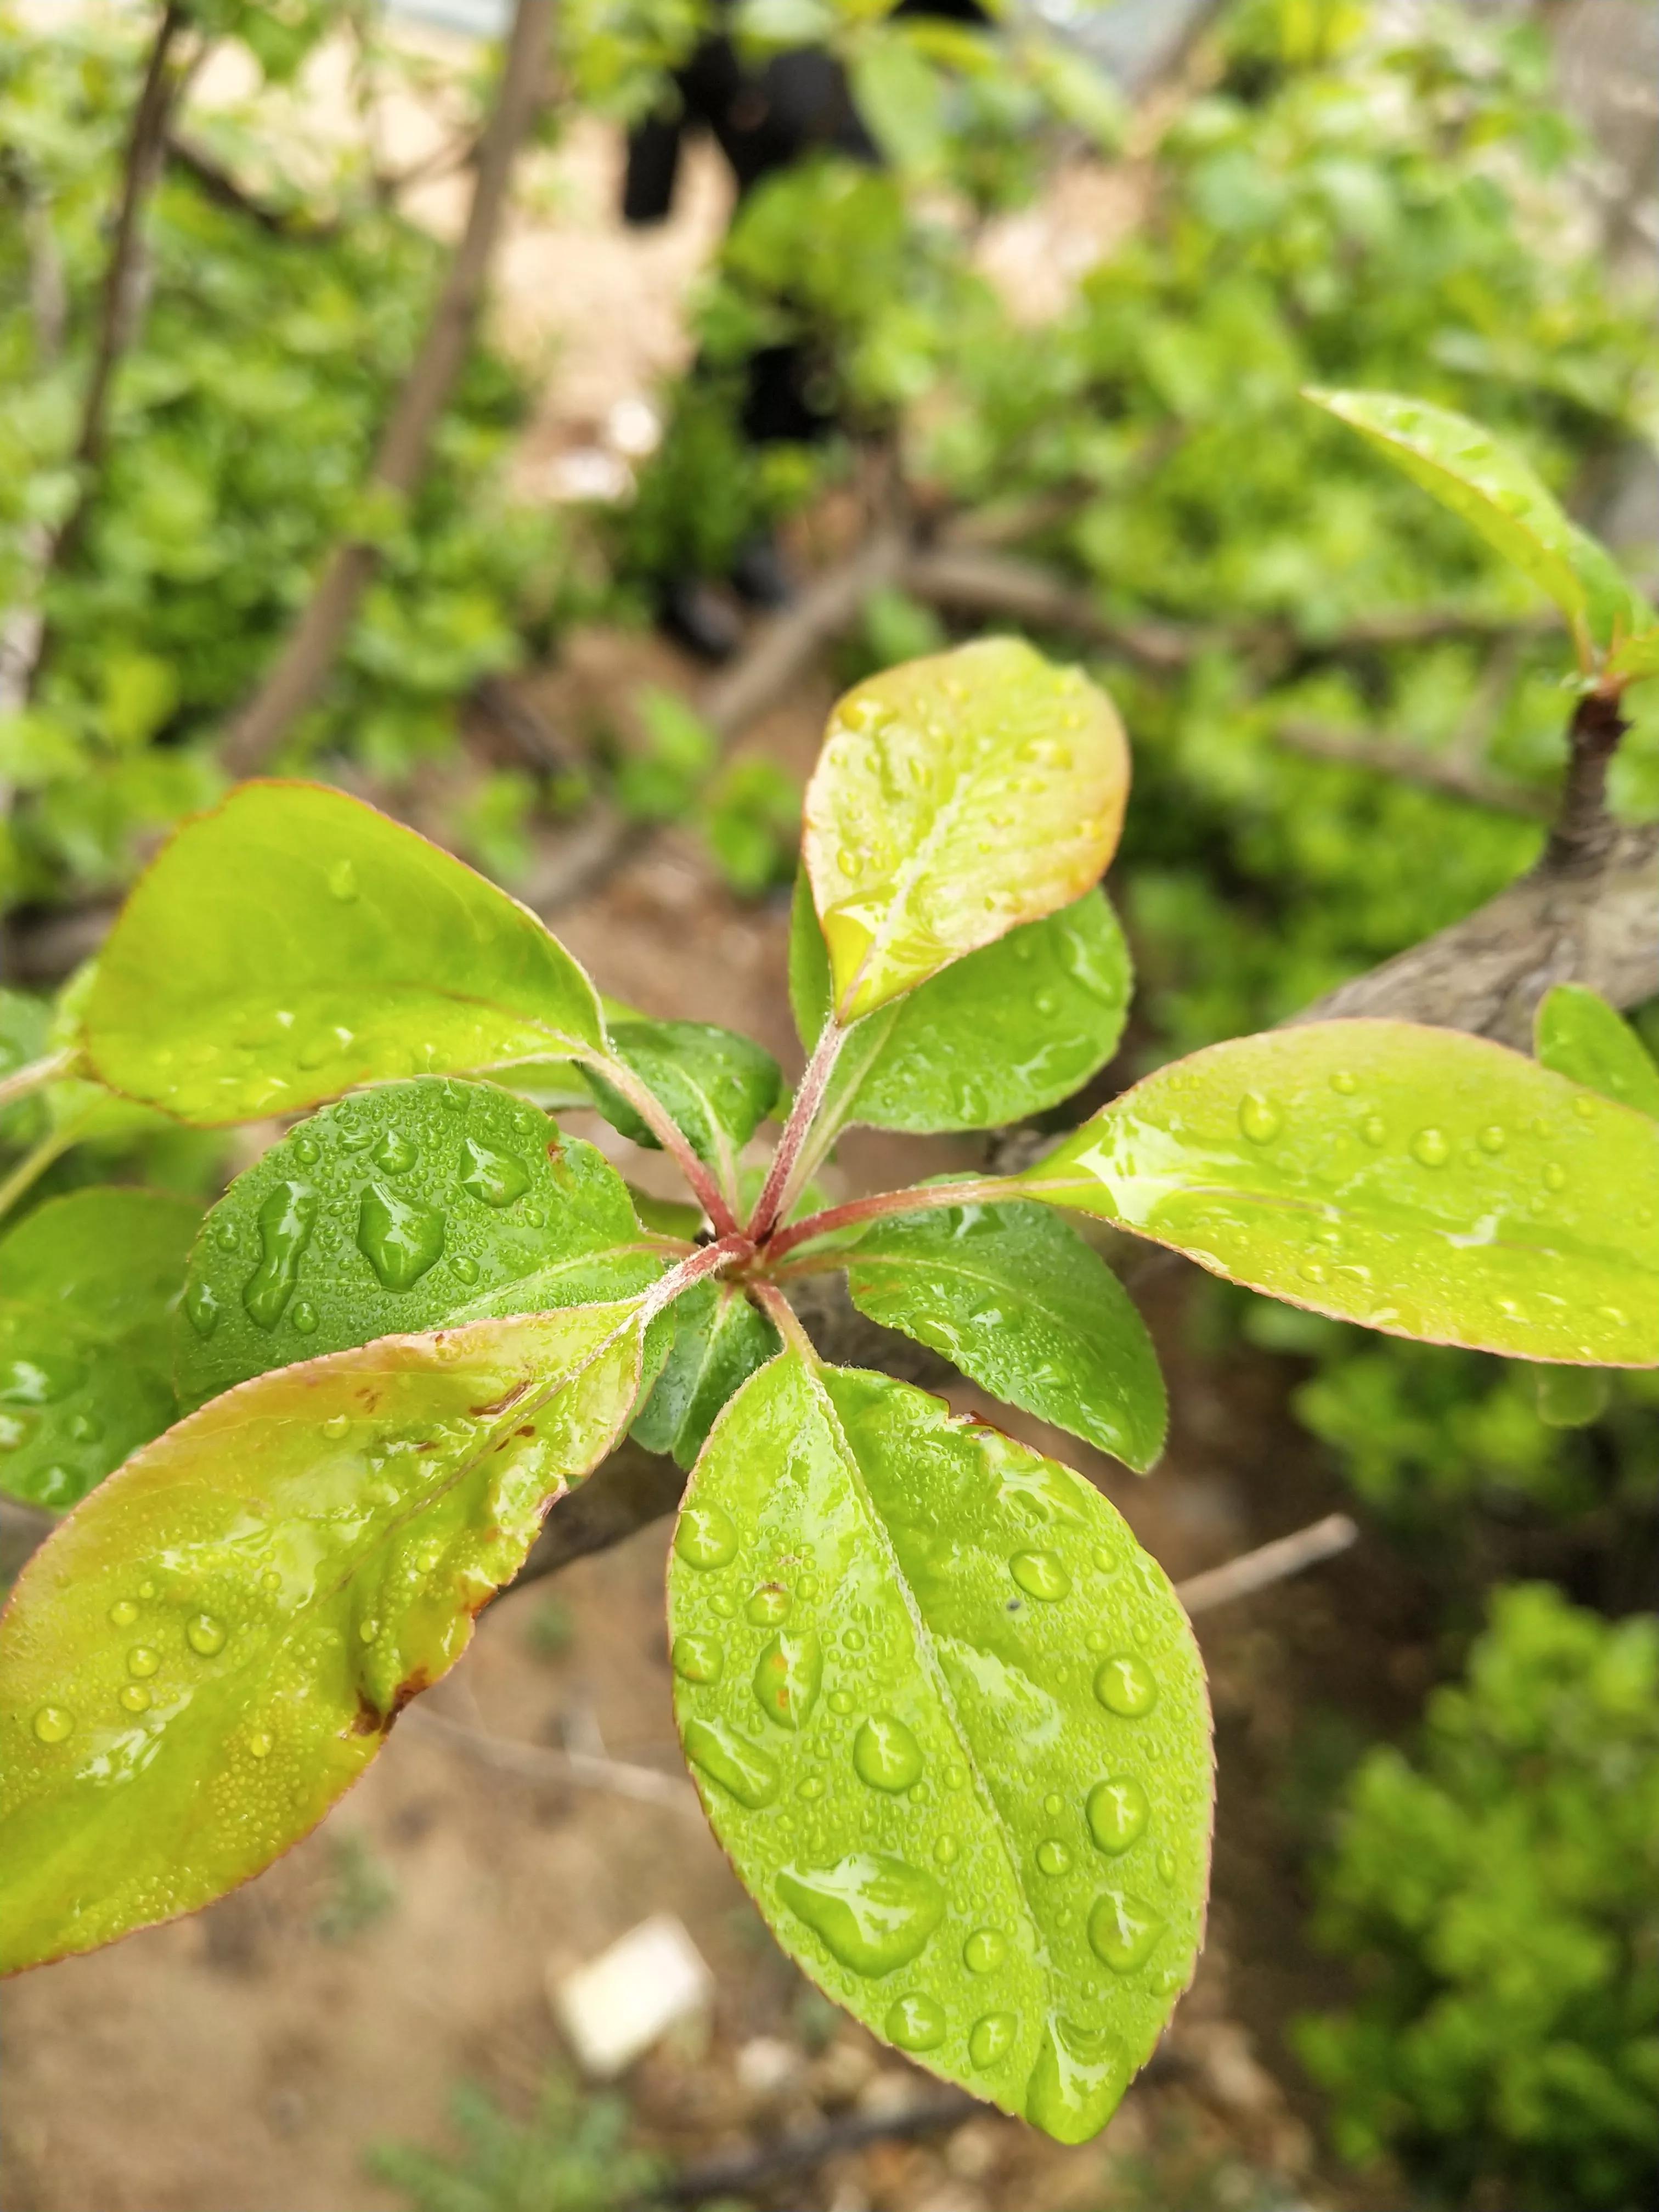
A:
x: 571, y: 2156
x: 1498, y: 1893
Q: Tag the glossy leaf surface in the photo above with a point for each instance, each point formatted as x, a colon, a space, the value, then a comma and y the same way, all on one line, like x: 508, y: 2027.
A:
x: 956, y: 797
x: 1004, y: 1032
x: 950, y: 1725
x: 208, y: 1651
x: 401, y: 1209
x: 1579, y: 1035
x: 1013, y: 1297
x: 88, y: 1284
x: 717, y: 1086
x: 295, y: 942
x: 720, y: 1339
x: 1415, y: 1180
x: 1501, y: 495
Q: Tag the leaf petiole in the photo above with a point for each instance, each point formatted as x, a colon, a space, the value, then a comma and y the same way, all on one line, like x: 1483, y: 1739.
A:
x: 788, y: 1166
x: 671, y: 1138
x: 784, y: 1318
x: 708, y: 1259
x: 37, y: 1075
x: 978, y: 1190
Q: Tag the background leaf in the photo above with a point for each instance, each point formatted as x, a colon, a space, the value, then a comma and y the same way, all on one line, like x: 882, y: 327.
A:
x: 720, y: 1339
x: 294, y: 943
x: 1015, y: 1299
x: 717, y: 1086
x: 1415, y: 1180
x: 1580, y: 1036
x: 1501, y: 495
x: 200, y: 1659
x: 87, y: 1287
x: 955, y: 797
x: 949, y: 1723
x: 404, y: 1207
x: 1003, y: 1032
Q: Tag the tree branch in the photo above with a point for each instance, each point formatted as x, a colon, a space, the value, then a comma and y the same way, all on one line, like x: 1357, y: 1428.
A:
x: 313, y: 644
x: 1409, y: 763
x: 217, y: 185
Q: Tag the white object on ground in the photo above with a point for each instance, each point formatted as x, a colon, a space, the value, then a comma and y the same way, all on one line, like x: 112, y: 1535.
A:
x: 615, y: 2007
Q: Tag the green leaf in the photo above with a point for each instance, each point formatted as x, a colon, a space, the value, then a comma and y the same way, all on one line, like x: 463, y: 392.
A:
x: 1413, y: 1180
x: 949, y: 1723
x: 1501, y: 495
x: 294, y: 943
x: 401, y: 1209
x: 209, y: 1650
x: 1016, y: 1300
x: 87, y: 1286
x: 901, y: 95
x: 666, y: 1217
x: 717, y: 1086
x: 1005, y: 1031
x: 1580, y: 1036
x: 720, y: 1339
x: 956, y: 797
x: 1638, y: 658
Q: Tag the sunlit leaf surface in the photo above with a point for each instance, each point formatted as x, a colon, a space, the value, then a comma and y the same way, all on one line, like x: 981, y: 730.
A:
x: 720, y: 1339
x: 1416, y: 1180
x: 207, y: 1651
x: 956, y: 797
x: 1579, y: 1035
x: 948, y: 1721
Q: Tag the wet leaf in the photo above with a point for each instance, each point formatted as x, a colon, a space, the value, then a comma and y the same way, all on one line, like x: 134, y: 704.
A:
x: 294, y: 943
x: 720, y: 1339
x: 1416, y: 1180
x: 717, y: 1086
x: 87, y: 1287
x: 950, y: 1725
x: 212, y: 1647
x: 1638, y: 658
x: 956, y: 797
x: 1015, y: 1298
x: 666, y: 1217
x: 1004, y: 1032
x: 407, y: 1207
x: 1580, y: 1036
x: 1501, y: 495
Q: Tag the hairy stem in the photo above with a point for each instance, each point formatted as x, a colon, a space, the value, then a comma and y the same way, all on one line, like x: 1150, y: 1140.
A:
x: 780, y: 1178
x: 673, y: 1140
x: 38, y: 1072
x: 708, y: 1261
x: 979, y: 1190
x: 784, y: 1318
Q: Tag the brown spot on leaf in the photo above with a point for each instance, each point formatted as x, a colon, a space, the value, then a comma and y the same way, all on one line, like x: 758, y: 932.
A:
x: 502, y: 1405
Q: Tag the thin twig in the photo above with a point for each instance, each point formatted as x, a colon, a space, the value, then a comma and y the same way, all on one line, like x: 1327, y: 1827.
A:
x: 535, y: 1762
x: 1409, y: 763
x: 217, y: 185
x: 737, y: 2173
x: 1268, y: 1563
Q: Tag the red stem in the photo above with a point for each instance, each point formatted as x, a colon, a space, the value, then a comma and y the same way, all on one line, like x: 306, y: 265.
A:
x: 775, y: 1192
x: 708, y: 1261
x: 673, y: 1140
x: 784, y: 1318
x: 981, y: 1190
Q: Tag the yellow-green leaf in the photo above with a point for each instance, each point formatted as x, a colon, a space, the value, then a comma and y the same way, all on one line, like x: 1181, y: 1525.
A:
x: 213, y: 1645
x: 294, y: 943
x: 1579, y: 1035
x: 1415, y: 1180
x: 1499, y: 493
x: 956, y: 797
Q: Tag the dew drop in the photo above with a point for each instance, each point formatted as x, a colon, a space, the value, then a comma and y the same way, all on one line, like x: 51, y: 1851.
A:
x: 985, y: 1950
x: 1125, y: 1684
x: 1106, y: 1560
x: 258, y: 1745
x: 947, y: 1850
x: 1374, y: 1129
x: 395, y: 1152
x: 226, y: 1239
x: 466, y: 1269
x: 787, y: 1676
x: 840, y: 1701
x: 307, y: 1151
x: 1075, y: 2085
x: 202, y: 1309
x: 122, y: 1613
x: 270, y: 1580
x: 873, y: 1912
x: 1040, y: 1575
x: 811, y: 1787
x: 1096, y: 1641
x: 304, y: 1316
x: 1117, y: 1813
x: 915, y: 2023
x: 1312, y: 1271
x: 1053, y: 1804
x: 1555, y: 1176
x: 1583, y: 1105
x: 206, y: 1634
x: 1433, y: 1147
x: 336, y: 1427
x: 1259, y: 1118
x: 86, y: 1428
x: 1344, y: 1081
x: 1053, y: 1858
x: 885, y: 1754
x: 399, y: 1238
x: 343, y: 882
x: 705, y: 1537
x: 1046, y: 1002
x: 1166, y: 1864
x: 285, y: 1222
x: 741, y: 1767
x: 494, y: 1178
x: 991, y: 2039
x: 1492, y: 1138
x: 428, y: 1558
x: 133, y: 1698
x: 54, y: 1723
x: 768, y: 1605
x: 142, y: 1661
x: 721, y: 1604
x: 854, y: 1639
x: 533, y: 1217
x: 1123, y: 1932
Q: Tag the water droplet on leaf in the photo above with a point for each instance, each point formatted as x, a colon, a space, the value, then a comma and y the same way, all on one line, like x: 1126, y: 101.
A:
x: 399, y: 1238
x: 873, y: 1912
x: 286, y: 1221
x: 142, y: 1661
x: 1041, y: 1575
x: 1125, y: 1684
x: 54, y: 1724
x: 206, y: 1634
x: 787, y: 1676
x: 123, y: 1613
x: 1259, y: 1118
x: 336, y: 1427
x: 1123, y: 1932
x: 1433, y: 1147
x: 1053, y: 1856
x: 134, y: 1697
x: 915, y: 2023
x: 705, y: 1537
x: 991, y: 2039
x: 741, y: 1767
x: 494, y: 1178
x: 1117, y: 1812
x: 885, y: 1754
x: 768, y: 1605
x: 1077, y: 2082
x: 985, y: 1950
x: 343, y: 882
